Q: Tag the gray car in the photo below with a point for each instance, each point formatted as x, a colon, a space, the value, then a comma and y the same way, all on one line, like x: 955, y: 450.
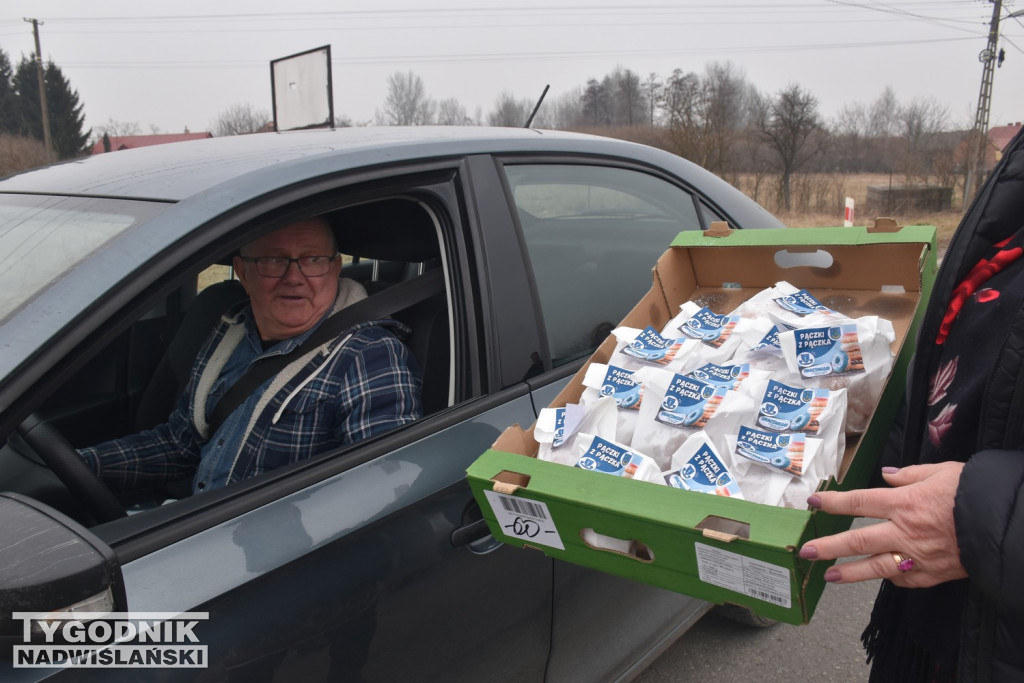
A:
x: 370, y: 562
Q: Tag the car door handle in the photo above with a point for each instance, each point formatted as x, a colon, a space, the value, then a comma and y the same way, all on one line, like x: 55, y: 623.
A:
x: 470, y: 533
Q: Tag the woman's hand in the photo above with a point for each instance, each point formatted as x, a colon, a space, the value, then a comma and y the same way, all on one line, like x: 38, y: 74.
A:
x: 918, y: 524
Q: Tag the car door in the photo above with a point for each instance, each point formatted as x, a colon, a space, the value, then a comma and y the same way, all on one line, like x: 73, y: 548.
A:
x: 592, y: 232
x: 366, y: 564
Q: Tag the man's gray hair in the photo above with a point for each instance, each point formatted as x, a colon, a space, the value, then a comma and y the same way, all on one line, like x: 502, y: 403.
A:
x: 310, y: 219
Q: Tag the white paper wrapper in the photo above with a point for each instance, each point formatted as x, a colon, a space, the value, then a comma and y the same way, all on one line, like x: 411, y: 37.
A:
x: 557, y: 428
x: 767, y: 477
x: 678, y: 406
x: 698, y: 465
x: 645, y: 348
x: 604, y: 542
x: 786, y: 304
x: 616, y: 383
x: 855, y: 355
x: 719, y: 336
x: 763, y: 352
x: 814, y: 411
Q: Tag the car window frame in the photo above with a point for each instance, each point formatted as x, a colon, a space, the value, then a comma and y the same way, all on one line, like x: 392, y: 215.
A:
x: 701, y: 204
x: 437, y: 183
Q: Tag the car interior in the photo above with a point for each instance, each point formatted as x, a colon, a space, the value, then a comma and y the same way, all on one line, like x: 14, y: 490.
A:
x: 134, y: 382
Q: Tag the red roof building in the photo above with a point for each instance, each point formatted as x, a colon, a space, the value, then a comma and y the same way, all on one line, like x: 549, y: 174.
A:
x: 998, y: 138
x: 133, y: 141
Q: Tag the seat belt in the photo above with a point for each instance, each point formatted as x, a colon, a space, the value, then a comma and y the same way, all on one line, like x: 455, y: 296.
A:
x: 381, y: 305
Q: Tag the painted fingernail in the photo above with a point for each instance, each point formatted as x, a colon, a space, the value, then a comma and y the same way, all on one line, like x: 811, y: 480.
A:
x: 809, y: 552
x: 890, y: 470
x: 832, y: 575
x: 814, y: 502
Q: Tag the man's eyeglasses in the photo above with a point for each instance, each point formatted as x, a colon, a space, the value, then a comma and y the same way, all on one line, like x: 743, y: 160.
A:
x: 277, y: 266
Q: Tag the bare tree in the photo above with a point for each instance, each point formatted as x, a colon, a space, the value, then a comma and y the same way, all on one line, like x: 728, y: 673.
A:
x: 117, y: 129
x: 628, y: 99
x: 850, y: 143
x: 596, y: 103
x: 883, y: 115
x: 791, y: 126
x: 653, y: 90
x: 706, y: 115
x: 510, y: 112
x: 563, y: 112
x: 683, y: 106
x: 451, y: 113
x: 921, y: 123
x: 724, y: 113
x: 407, y: 103
x: 240, y: 119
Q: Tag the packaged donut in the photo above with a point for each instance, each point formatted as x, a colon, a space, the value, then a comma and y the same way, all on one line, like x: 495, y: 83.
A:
x: 855, y: 355
x: 602, y: 455
x: 557, y: 428
x: 616, y: 383
x: 679, y: 405
x: 697, y: 466
x: 814, y: 411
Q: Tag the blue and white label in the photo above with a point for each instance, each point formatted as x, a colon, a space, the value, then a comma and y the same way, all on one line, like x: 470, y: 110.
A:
x: 770, y: 343
x: 689, y: 402
x: 833, y: 350
x: 726, y: 376
x: 618, y: 384
x: 559, y: 433
x: 791, y: 409
x: 610, y: 458
x: 782, y: 451
x: 704, y: 472
x: 802, y: 303
x: 651, y: 347
x: 708, y: 327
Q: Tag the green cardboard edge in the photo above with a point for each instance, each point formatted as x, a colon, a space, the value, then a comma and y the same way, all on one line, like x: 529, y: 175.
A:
x: 806, y: 237
x: 641, y: 513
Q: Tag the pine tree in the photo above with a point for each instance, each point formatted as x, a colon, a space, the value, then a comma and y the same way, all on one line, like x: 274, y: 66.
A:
x: 65, y: 109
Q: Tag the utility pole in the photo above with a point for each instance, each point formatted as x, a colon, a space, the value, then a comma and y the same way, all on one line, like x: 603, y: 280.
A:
x: 988, y: 59
x: 44, y: 111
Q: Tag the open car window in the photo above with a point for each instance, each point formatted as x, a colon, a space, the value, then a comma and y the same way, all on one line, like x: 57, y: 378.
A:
x: 135, y: 380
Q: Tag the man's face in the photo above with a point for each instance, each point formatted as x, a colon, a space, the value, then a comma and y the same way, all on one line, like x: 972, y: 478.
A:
x: 287, y: 306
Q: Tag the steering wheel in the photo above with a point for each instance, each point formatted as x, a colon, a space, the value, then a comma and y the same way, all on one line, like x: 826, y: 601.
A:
x: 64, y: 461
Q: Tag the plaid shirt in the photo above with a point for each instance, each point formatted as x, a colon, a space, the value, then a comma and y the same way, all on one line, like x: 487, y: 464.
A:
x: 340, y: 396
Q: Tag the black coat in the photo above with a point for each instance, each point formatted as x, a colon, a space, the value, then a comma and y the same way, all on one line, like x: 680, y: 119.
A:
x: 989, y: 507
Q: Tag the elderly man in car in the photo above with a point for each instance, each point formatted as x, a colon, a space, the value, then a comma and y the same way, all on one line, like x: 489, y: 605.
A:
x: 360, y: 384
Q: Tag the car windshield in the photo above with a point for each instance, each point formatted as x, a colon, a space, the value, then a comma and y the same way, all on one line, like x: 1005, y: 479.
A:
x: 44, y: 237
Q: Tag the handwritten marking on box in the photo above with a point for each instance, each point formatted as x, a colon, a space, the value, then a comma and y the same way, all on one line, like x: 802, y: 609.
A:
x: 744, y: 575
x: 527, y: 520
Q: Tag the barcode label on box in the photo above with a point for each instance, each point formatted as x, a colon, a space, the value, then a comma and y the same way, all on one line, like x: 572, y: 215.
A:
x: 527, y: 520
x: 757, y: 579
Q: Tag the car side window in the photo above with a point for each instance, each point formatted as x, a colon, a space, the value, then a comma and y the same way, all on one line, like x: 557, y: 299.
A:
x: 593, y: 233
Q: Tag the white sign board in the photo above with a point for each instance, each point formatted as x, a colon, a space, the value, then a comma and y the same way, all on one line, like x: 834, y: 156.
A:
x: 302, y: 90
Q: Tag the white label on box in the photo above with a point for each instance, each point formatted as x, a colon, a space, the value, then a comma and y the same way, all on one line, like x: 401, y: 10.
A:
x: 527, y: 520
x: 761, y: 580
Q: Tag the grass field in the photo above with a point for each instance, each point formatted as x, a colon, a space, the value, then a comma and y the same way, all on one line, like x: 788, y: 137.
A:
x: 855, y: 186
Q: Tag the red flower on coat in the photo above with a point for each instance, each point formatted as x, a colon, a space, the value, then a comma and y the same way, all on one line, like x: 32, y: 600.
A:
x: 938, y: 427
x: 943, y: 377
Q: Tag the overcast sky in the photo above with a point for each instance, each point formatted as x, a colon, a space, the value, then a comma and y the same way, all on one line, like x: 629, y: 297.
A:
x: 179, y: 64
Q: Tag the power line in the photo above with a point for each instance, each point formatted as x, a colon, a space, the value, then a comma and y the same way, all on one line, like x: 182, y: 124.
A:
x: 510, y: 56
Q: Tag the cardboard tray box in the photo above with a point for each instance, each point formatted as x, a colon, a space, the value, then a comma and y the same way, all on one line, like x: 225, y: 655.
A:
x: 719, y: 549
